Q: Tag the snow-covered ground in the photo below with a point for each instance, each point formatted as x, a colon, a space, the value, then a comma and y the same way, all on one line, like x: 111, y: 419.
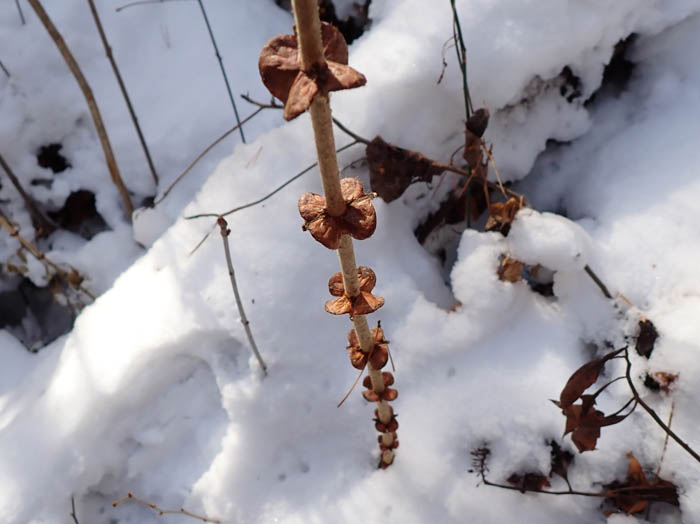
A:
x: 155, y: 390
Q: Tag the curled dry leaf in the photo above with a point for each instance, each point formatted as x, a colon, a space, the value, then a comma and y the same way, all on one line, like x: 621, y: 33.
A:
x: 646, y: 338
x: 392, y: 169
x: 529, y: 482
x: 636, y: 492
x: 358, y: 220
x: 476, y: 125
x: 661, y: 381
x: 583, y: 378
x: 584, y: 425
x: 502, y: 214
x: 281, y: 72
x: 510, y: 269
x: 561, y: 459
x: 388, y: 395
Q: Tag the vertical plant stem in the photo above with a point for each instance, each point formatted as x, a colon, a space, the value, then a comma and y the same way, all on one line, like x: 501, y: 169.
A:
x: 39, y: 218
x: 461, y: 51
x: 92, y: 104
x: 311, y: 54
x: 110, y: 57
x: 21, y: 14
x: 4, y: 69
x: 225, y: 231
x: 223, y: 71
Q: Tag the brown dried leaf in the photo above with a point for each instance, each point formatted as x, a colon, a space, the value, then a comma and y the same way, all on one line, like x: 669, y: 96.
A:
x: 665, y: 380
x: 358, y: 358
x: 478, y: 122
x: 561, y: 460
x: 392, y: 169
x: 510, y: 270
x: 646, y: 338
x: 502, y: 214
x: 529, y: 481
x: 582, y: 379
x: 636, y: 492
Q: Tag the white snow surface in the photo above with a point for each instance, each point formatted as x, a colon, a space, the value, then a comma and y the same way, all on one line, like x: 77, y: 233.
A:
x: 155, y: 390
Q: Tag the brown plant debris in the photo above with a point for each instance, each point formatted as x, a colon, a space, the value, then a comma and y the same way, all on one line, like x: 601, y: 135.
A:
x: 529, y: 481
x: 510, y: 270
x: 561, y: 460
x: 582, y: 420
x: 362, y: 304
x: 637, y: 492
x: 476, y: 126
x: 660, y: 381
x: 388, y: 395
x: 392, y: 169
x: 646, y: 338
x: 378, y: 355
x: 281, y: 72
x: 358, y: 220
x: 502, y: 214
x: 583, y: 378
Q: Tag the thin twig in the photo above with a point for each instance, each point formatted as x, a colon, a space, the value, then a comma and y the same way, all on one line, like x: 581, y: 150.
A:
x: 161, y: 511
x: 275, y: 105
x: 4, y: 69
x: 653, y: 414
x: 663, y: 451
x: 39, y: 218
x: 270, y: 194
x: 461, y: 51
x: 72, y: 512
x: 223, y: 70
x: 202, y: 155
x: 598, y: 281
x: 21, y: 14
x: 225, y: 231
x: 92, y: 104
x: 110, y: 57
x: 144, y: 2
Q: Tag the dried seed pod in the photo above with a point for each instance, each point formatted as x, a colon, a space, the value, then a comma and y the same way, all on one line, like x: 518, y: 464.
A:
x: 281, y: 73
x: 363, y: 304
x: 359, y: 219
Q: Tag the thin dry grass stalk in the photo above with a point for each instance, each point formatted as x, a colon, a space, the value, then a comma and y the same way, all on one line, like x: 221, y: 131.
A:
x: 92, y: 104
x: 110, y: 57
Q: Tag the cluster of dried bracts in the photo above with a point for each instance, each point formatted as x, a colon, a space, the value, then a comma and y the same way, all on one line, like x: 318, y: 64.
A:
x: 301, y: 70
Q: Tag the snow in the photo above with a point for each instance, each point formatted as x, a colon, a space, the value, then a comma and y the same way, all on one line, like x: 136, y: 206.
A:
x: 155, y: 391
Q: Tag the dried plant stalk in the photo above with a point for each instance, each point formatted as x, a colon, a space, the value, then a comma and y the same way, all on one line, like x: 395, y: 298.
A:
x: 225, y: 231
x: 122, y: 87
x: 92, y: 104
x: 308, y: 28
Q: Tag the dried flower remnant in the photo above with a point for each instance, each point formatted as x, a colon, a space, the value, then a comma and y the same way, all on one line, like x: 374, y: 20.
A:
x: 646, y: 338
x: 358, y: 220
x: 378, y: 356
x: 281, y: 71
x: 362, y: 304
